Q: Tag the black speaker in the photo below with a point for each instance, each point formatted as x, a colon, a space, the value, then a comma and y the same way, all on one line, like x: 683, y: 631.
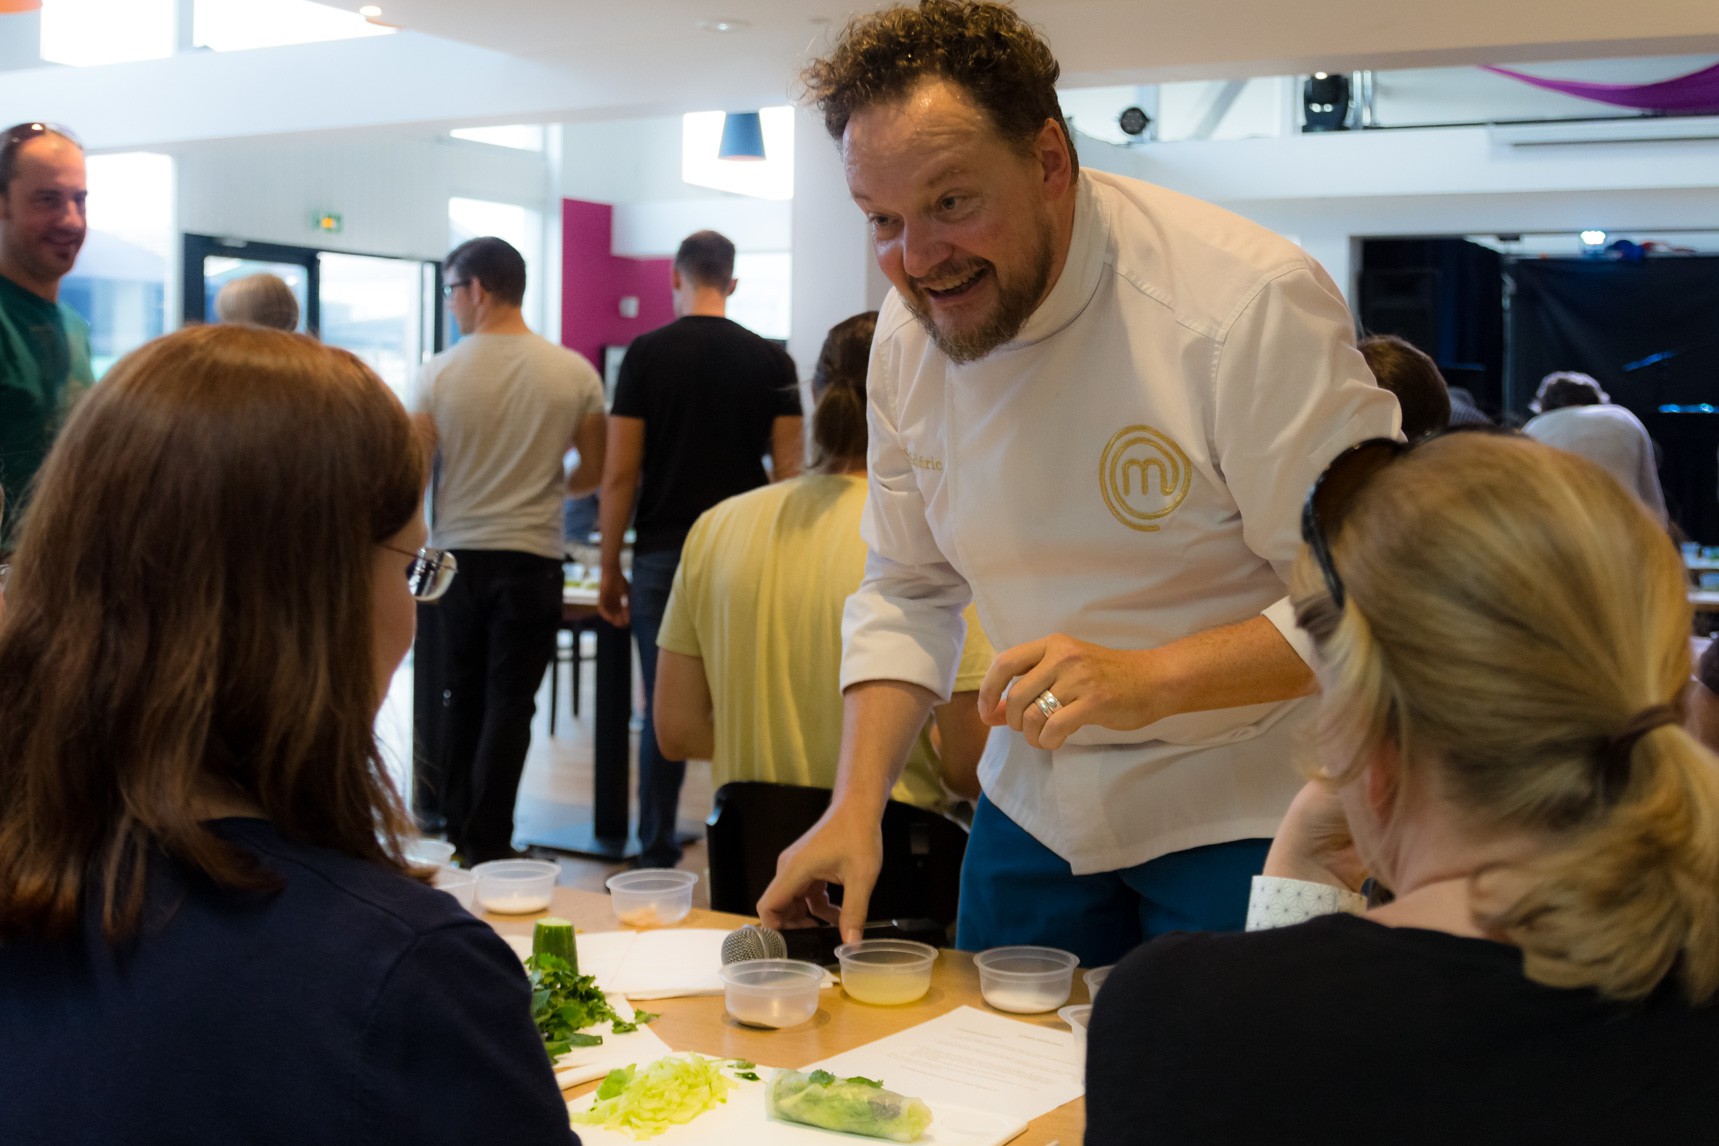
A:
x: 1326, y: 99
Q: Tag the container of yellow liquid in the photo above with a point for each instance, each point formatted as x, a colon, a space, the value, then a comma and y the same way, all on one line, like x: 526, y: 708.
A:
x: 886, y: 972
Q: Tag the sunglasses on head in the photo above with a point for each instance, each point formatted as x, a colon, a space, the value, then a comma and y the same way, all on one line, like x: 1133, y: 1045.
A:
x: 1334, y: 491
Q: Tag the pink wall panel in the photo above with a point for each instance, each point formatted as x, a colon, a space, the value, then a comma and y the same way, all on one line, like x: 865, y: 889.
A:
x: 594, y: 280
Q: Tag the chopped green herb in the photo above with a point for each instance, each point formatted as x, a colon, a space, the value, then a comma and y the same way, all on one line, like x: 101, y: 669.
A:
x: 820, y: 1078
x: 564, y: 1003
x: 858, y: 1081
x: 748, y: 1075
x: 739, y: 1063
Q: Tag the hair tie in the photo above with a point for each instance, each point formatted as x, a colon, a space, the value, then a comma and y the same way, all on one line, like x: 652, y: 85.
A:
x: 1619, y: 748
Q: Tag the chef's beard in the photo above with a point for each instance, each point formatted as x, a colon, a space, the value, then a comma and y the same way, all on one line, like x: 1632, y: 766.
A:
x: 1015, y: 304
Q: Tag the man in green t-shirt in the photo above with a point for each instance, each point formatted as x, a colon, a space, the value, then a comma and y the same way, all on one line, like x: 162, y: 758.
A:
x: 44, y: 344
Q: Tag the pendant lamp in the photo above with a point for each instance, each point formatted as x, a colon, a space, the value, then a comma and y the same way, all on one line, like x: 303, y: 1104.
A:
x: 742, y: 136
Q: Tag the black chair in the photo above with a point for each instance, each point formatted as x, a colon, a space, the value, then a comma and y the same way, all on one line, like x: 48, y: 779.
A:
x: 573, y: 654
x: 753, y: 821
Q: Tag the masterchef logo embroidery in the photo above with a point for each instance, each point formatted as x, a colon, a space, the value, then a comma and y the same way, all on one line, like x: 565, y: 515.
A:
x: 1144, y: 476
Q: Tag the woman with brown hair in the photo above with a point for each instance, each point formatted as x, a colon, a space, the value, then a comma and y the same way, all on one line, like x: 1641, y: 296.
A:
x: 1503, y: 637
x: 208, y: 928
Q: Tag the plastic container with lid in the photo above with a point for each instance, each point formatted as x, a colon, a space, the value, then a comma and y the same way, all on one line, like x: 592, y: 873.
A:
x: 515, y: 887
x: 772, y: 992
x: 886, y: 972
x: 651, y: 897
x: 1026, y: 980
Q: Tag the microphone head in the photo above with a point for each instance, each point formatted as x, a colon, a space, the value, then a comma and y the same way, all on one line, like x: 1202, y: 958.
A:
x: 753, y: 942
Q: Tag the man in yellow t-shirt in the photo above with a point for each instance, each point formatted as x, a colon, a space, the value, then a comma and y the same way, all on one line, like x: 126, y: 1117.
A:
x: 751, y: 644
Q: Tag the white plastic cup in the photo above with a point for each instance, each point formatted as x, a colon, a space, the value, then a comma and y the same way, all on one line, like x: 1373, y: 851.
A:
x: 462, y: 885
x: 515, y: 887
x: 1094, y: 979
x: 436, y: 853
x: 772, y: 992
x: 651, y: 897
x: 1026, y: 980
x: 886, y: 972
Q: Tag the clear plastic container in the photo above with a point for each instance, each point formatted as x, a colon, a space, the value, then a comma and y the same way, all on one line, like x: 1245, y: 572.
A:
x: 436, y: 853
x: 886, y: 972
x: 1094, y: 979
x: 462, y: 885
x: 515, y: 887
x: 652, y: 897
x: 1076, y: 1017
x: 772, y: 992
x: 1026, y: 980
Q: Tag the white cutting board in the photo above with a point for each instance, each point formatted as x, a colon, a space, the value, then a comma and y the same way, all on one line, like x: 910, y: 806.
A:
x: 742, y: 1119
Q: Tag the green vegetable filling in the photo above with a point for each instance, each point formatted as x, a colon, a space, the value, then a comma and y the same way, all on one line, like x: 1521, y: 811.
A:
x: 642, y: 1102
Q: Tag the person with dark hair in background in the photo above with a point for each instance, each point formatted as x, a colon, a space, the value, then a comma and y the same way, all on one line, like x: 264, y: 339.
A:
x: 1573, y: 413
x: 501, y: 409
x: 699, y: 404
x: 750, y: 648
x: 1406, y: 371
x: 209, y: 928
x: 1093, y: 405
x: 1503, y: 638
x: 44, y: 344
x: 261, y: 300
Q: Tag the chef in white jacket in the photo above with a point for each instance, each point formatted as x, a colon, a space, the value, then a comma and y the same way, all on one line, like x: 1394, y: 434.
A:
x: 1096, y: 407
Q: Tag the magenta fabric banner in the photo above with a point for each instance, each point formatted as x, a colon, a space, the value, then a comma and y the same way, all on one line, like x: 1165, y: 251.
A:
x: 1693, y: 94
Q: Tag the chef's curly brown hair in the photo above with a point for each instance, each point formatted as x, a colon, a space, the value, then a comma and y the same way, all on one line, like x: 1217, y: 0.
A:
x: 999, y: 58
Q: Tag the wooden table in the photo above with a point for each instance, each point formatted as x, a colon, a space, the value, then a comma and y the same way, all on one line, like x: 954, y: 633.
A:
x: 702, y: 1024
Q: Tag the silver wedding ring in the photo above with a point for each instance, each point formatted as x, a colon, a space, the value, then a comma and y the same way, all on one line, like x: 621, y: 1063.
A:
x: 1048, y: 703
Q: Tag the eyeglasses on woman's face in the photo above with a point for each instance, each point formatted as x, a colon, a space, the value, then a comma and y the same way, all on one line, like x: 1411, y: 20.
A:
x: 430, y: 573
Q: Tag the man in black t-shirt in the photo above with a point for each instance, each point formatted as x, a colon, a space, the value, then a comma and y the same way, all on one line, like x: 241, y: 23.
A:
x: 698, y: 405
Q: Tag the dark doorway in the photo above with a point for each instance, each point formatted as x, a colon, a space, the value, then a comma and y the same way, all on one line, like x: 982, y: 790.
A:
x: 1446, y: 296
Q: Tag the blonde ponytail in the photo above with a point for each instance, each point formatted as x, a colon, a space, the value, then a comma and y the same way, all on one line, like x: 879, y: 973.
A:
x: 1517, y: 625
x: 1633, y: 898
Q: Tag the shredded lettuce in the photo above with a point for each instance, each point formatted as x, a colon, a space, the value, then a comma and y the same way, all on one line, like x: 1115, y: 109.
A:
x: 642, y: 1102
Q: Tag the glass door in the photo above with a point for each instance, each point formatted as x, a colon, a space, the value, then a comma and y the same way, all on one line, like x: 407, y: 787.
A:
x: 384, y: 310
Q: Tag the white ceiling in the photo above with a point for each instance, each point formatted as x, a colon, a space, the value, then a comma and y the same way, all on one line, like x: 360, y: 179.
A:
x: 669, y: 42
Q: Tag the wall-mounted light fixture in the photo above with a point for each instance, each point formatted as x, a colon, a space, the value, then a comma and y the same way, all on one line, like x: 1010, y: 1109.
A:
x: 742, y: 136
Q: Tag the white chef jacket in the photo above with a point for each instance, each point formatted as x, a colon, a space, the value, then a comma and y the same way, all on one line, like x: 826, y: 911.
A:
x: 1129, y: 470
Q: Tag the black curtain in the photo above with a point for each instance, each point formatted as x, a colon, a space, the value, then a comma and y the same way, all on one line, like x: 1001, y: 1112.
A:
x: 1649, y: 332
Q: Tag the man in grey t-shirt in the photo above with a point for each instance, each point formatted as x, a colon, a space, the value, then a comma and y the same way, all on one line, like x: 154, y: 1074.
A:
x: 501, y: 408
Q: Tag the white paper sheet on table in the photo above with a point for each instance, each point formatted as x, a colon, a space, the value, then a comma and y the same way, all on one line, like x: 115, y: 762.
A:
x: 585, y: 1064
x: 973, y: 1058
x: 670, y: 963
x: 742, y: 1121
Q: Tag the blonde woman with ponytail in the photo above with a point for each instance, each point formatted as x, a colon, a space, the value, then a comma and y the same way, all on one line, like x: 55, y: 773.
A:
x: 1503, y: 638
